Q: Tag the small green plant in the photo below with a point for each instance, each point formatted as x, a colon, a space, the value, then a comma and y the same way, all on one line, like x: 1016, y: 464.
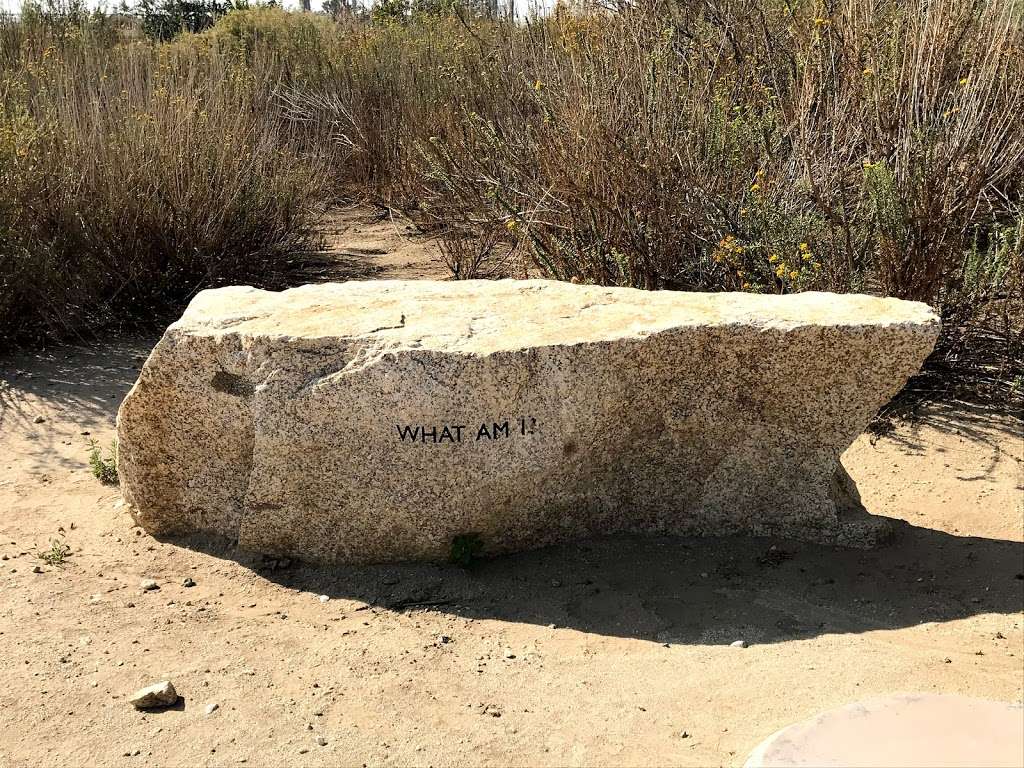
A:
x: 104, y: 468
x: 466, y: 548
x: 56, y: 554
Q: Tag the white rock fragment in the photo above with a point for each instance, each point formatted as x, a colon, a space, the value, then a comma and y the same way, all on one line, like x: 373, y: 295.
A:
x: 210, y: 708
x: 148, y: 585
x: 738, y: 644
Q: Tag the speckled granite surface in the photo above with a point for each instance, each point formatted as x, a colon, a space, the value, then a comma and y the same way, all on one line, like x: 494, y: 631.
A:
x: 375, y: 421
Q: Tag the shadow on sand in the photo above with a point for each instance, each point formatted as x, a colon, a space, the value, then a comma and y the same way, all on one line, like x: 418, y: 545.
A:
x: 704, y: 591
x: 660, y: 589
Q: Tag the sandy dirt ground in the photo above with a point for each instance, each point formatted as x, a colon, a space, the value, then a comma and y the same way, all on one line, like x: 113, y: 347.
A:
x: 610, y: 652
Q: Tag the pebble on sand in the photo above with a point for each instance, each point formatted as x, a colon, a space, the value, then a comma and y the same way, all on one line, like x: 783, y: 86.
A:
x: 160, y: 694
x: 148, y: 585
x: 210, y: 708
x: 738, y: 644
x: 188, y: 582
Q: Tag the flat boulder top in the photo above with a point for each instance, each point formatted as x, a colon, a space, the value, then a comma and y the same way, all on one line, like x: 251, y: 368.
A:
x: 496, y: 315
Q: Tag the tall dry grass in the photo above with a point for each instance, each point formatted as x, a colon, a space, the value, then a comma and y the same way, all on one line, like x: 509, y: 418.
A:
x: 132, y: 175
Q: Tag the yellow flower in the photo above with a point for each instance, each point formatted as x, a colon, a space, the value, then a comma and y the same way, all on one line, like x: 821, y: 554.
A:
x: 868, y: 71
x: 806, y: 257
x: 963, y: 81
x: 794, y: 275
x: 510, y: 224
x: 746, y: 285
x: 773, y: 258
x: 804, y: 247
x: 739, y: 273
x: 538, y: 85
x: 754, y: 187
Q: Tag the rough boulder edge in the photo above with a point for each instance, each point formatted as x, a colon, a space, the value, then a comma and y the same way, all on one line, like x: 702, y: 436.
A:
x: 382, y: 421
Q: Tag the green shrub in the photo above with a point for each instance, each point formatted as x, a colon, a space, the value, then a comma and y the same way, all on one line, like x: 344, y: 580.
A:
x: 103, y: 468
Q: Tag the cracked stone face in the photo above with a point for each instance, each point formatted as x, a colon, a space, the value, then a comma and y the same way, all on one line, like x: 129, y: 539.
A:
x: 380, y: 421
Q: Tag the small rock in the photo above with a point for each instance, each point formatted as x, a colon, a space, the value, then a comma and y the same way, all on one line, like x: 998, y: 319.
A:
x: 738, y: 644
x: 210, y: 708
x: 39, y: 419
x: 321, y: 740
x: 509, y: 654
x: 36, y: 569
x: 684, y: 735
x: 188, y: 582
x: 160, y: 694
x: 442, y: 639
x: 148, y: 585
x: 324, y: 598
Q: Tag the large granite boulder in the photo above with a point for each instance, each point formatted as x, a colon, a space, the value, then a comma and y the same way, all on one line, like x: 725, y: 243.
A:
x: 376, y: 421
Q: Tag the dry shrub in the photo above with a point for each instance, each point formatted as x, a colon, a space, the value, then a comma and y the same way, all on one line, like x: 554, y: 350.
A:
x: 474, y: 255
x: 133, y: 175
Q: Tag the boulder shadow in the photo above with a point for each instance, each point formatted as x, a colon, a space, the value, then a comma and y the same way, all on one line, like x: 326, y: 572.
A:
x: 178, y: 706
x: 693, y: 590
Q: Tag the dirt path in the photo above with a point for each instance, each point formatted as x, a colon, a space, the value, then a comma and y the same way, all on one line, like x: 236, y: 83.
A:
x: 612, y: 652
x: 367, y: 245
